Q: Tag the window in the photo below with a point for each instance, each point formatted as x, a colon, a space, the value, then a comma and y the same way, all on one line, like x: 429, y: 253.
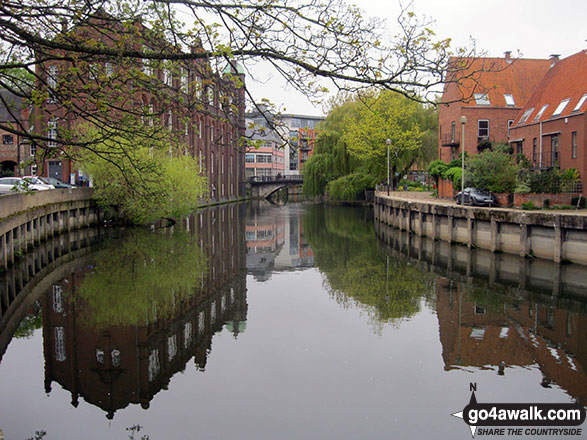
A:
x: 93, y: 71
x: 167, y: 77
x: 296, y: 123
x: 509, y: 100
x: 60, y: 344
x: 539, y: 114
x: 526, y: 115
x: 151, y: 114
x: 115, y: 356
x: 34, y: 169
x: 483, y: 132
x: 7, y: 139
x: 154, y: 366
x: 147, y: 68
x: 184, y: 80
x: 453, y: 128
x: 171, y: 347
x: 263, y: 158
x: 187, y: 334
x: 534, y: 151
x: 33, y: 149
x: 170, y: 120
x: 200, y: 129
x: 52, y: 133
x: 482, y: 99
x: 580, y: 103
x: 200, y: 160
x: 100, y: 356
x: 109, y: 69
x: 561, y: 107
x: 211, y: 133
x: 52, y: 77
x: 554, y: 149
x: 510, y: 123
x: 574, y: 144
x: 57, y: 299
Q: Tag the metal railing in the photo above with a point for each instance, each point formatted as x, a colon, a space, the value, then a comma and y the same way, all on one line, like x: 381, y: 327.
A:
x: 276, y: 179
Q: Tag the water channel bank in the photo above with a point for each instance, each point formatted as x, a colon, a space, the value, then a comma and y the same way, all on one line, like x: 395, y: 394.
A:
x: 559, y: 237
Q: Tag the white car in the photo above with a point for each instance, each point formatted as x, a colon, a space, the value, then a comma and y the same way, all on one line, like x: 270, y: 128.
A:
x: 9, y: 185
x: 38, y: 183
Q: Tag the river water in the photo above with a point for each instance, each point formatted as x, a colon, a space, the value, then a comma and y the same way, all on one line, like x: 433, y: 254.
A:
x: 302, y: 321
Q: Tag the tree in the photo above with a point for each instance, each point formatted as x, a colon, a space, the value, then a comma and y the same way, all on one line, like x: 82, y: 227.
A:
x: 385, y: 116
x: 493, y: 170
x: 304, y: 41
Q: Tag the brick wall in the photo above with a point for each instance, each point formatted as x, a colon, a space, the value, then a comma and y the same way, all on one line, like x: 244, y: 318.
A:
x: 445, y: 189
x: 538, y: 199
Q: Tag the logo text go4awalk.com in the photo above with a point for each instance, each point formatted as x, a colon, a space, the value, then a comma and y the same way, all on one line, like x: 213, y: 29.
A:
x: 513, y: 419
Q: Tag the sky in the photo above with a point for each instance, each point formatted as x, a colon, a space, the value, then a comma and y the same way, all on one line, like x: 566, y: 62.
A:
x: 533, y: 28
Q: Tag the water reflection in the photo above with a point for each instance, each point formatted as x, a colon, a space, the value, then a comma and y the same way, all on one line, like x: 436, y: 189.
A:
x: 122, y: 314
x: 129, y: 316
x: 497, y: 311
x: 275, y: 240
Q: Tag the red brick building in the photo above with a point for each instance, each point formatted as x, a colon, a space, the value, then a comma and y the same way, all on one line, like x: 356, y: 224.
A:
x: 14, y: 149
x: 202, y: 109
x: 551, y: 128
x: 490, y: 95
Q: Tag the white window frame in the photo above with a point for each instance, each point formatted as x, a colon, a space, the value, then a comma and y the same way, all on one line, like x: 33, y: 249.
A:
x: 482, y: 99
x: 561, y: 107
x: 540, y: 113
x: 580, y: 103
x: 52, y: 132
x: 509, y: 100
x: 526, y: 115
x: 479, y: 128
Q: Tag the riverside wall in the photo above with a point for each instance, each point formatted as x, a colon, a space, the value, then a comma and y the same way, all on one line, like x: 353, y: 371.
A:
x: 559, y: 237
x: 27, y: 219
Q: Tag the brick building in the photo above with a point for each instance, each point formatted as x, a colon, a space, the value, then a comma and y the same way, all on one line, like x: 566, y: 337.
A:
x: 551, y: 128
x: 14, y: 149
x: 490, y: 95
x: 202, y: 110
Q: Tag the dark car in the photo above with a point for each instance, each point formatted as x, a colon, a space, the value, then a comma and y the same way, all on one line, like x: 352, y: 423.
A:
x: 475, y: 196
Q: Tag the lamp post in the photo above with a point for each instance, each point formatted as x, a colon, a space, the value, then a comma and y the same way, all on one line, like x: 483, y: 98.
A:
x: 463, y: 122
x: 388, y: 143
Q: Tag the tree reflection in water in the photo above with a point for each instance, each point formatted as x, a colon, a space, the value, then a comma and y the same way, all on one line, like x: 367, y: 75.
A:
x: 141, y: 277
x: 388, y: 288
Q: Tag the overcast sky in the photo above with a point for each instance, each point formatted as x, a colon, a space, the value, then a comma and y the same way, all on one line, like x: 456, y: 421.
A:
x: 536, y: 28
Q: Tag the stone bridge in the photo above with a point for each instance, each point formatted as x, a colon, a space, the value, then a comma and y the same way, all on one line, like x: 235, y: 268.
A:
x: 262, y: 187
x: 28, y: 219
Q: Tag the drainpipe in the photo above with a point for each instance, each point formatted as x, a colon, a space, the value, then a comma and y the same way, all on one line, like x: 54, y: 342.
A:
x: 540, y: 144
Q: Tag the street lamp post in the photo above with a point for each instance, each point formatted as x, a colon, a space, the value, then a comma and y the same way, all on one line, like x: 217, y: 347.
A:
x: 463, y: 122
x: 388, y: 142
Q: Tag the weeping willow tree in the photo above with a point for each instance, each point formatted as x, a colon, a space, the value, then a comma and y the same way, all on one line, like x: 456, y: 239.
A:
x: 352, y: 150
x: 345, y: 250
x: 141, y: 278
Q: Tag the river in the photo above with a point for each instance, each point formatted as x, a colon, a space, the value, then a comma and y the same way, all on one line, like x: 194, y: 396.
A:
x: 302, y: 321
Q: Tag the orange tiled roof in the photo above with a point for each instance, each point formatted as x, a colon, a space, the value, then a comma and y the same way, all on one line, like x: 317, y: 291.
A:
x: 497, y: 77
x: 566, y: 79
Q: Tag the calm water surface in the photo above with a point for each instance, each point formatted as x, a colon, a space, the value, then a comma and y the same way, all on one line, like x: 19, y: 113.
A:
x: 267, y: 322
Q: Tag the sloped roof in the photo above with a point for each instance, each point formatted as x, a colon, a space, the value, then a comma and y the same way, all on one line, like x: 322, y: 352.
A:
x: 497, y: 77
x: 566, y: 79
x: 9, y: 101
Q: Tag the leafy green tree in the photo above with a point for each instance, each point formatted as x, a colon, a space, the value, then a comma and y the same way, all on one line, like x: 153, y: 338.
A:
x: 146, y: 181
x: 493, y: 170
x: 385, y: 116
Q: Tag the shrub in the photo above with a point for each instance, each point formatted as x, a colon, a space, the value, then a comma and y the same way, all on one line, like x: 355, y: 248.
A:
x: 493, y: 170
x: 528, y: 206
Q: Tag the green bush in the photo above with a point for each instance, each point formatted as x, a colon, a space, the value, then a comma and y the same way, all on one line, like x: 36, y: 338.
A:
x: 494, y: 171
x: 528, y: 206
x: 350, y: 187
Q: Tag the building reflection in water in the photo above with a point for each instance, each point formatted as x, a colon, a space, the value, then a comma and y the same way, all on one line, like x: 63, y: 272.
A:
x: 275, y: 240
x: 111, y: 363
x: 498, y: 311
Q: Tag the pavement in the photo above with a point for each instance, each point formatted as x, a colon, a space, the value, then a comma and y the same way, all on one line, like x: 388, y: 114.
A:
x: 427, y: 197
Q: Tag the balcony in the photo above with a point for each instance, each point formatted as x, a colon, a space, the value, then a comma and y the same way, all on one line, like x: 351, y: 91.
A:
x: 448, y: 140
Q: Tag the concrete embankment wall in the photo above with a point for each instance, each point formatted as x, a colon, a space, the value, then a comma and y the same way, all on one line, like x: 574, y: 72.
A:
x: 27, y: 219
x: 552, y: 236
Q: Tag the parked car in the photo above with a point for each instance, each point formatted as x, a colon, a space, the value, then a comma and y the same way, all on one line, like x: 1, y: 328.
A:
x: 56, y: 182
x: 18, y: 184
x: 475, y: 196
x: 39, y: 184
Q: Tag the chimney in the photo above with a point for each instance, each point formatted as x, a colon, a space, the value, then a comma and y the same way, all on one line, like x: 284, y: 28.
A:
x: 553, y: 58
x: 508, y: 57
